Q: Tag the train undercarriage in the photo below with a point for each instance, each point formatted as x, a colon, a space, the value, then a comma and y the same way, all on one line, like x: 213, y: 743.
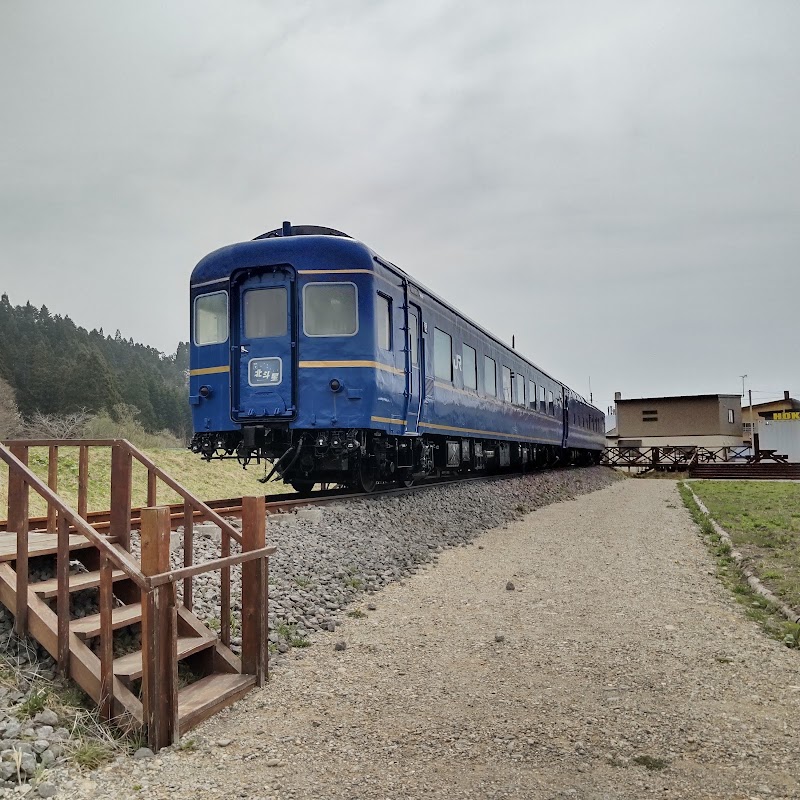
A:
x: 361, y: 459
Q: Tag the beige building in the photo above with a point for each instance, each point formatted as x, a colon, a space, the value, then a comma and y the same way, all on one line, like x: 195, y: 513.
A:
x: 705, y: 420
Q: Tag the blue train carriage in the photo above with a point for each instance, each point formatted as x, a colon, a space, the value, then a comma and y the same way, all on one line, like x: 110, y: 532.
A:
x: 310, y: 351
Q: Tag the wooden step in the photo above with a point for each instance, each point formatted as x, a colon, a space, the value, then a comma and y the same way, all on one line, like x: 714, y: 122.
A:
x: 199, y: 700
x: 130, y: 666
x: 77, y: 582
x: 40, y: 544
x: 121, y: 616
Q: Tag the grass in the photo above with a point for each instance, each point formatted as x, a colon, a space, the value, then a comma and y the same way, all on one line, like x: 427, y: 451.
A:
x: 356, y: 613
x: 763, y: 520
x: 288, y: 631
x: 92, y: 742
x: 35, y: 702
x: 213, y: 480
x: 755, y: 606
x: 650, y: 762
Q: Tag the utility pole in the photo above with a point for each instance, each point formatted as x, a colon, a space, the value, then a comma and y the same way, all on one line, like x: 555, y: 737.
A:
x: 743, y: 377
x: 753, y: 434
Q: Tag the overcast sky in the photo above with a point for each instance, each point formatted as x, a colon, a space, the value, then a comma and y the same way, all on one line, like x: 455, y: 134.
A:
x: 615, y: 183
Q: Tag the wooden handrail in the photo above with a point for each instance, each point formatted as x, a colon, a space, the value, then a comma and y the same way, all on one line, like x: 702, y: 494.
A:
x: 176, y: 487
x: 60, y: 442
x: 175, y: 575
x: 80, y: 525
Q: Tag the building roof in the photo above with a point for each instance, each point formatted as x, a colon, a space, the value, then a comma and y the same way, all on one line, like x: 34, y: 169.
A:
x: 674, y: 397
x: 791, y: 402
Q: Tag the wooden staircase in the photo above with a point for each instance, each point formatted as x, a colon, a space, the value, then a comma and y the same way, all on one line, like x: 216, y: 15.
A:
x: 138, y: 688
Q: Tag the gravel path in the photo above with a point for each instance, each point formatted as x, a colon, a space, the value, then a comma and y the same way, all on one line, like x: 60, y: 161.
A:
x: 615, y: 667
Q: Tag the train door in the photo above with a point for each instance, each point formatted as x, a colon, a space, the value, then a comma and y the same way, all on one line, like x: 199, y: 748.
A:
x: 565, y: 416
x: 415, y: 369
x: 263, y: 344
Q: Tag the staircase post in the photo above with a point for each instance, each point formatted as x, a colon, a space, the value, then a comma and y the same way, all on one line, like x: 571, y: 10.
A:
x: 121, y: 496
x: 159, y: 634
x: 254, y: 591
x: 18, y: 520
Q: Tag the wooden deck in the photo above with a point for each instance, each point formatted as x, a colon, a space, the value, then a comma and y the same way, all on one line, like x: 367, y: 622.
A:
x: 40, y: 543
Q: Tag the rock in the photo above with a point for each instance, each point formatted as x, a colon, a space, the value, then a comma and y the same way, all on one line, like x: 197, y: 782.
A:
x: 499, y: 637
x: 47, y: 717
x: 28, y: 763
x: 372, y: 607
x: 40, y: 745
x: 48, y: 758
x: 273, y: 762
x: 143, y: 752
x: 342, y: 645
x: 224, y: 742
x: 510, y: 586
x: 46, y: 790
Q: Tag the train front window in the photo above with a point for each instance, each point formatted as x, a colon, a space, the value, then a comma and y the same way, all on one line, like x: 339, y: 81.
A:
x: 211, y: 318
x: 330, y: 309
x: 265, y: 313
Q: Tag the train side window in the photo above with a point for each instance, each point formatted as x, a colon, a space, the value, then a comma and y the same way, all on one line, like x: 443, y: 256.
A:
x: 469, y: 363
x: 542, y: 404
x: 550, y: 403
x: 211, y: 318
x: 265, y: 313
x: 383, y: 322
x: 531, y: 394
x: 413, y: 334
x: 506, y: 385
x: 519, y: 389
x: 330, y: 309
x: 489, y: 376
x: 442, y: 355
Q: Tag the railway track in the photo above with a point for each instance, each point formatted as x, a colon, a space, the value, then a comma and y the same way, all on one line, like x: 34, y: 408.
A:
x: 275, y: 503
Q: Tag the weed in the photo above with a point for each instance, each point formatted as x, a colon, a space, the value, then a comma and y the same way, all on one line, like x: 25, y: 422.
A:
x: 520, y: 509
x: 302, y: 582
x: 213, y: 623
x: 354, y: 582
x: 356, y: 613
x: 650, y: 762
x: 35, y: 702
x: 91, y: 754
x: 289, y: 632
x: 187, y: 745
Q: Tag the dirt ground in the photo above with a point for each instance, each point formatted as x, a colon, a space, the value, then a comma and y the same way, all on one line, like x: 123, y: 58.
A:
x: 616, y: 667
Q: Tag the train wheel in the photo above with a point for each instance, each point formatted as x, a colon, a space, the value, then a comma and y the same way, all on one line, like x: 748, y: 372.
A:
x: 303, y: 488
x: 366, y: 477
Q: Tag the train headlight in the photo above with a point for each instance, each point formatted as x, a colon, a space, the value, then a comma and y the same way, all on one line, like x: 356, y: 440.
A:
x: 205, y: 391
x: 336, y: 386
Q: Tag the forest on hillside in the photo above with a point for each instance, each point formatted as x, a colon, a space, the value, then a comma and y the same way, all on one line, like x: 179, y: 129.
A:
x: 57, y: 369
